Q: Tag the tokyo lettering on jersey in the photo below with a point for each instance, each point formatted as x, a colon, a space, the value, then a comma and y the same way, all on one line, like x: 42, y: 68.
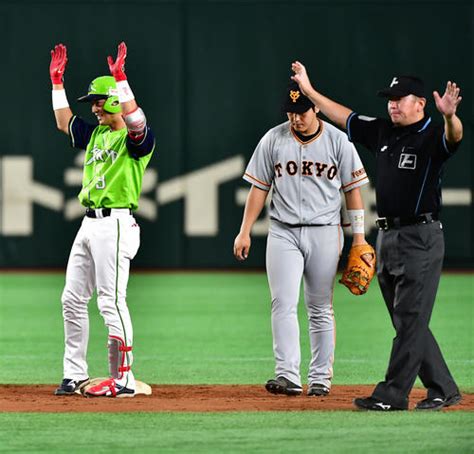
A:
x: 306, y: 177
x: 113, y: 166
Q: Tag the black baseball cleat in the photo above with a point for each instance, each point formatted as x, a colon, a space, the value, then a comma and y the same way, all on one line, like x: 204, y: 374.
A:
x: 317, y: 389
x: 437, y: 403
x: 69, y: 386
x: 282, y: 385
x: 372, y: 404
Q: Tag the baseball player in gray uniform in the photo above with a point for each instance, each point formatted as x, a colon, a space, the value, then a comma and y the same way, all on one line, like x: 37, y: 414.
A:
x: 306, y: 162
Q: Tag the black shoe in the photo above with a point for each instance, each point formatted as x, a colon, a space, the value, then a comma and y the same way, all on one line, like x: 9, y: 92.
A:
x: 282, y: 385
x: 437, y: 403
x: 369, y: 403
x: 317, y: 389
x: 69, y: 386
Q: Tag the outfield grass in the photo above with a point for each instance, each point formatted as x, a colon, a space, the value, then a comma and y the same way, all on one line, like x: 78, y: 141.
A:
x: 215, y: 328
x: 298, y: 432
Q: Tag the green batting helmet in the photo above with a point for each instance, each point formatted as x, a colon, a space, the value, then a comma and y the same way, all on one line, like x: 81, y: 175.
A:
x: 103, y: 87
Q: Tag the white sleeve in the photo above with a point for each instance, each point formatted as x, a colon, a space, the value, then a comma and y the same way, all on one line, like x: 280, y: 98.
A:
x: 260, y: 170
x: 352, y: 171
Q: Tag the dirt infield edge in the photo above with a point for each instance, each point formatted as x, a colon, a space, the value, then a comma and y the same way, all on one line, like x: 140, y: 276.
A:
x: 194, y: 398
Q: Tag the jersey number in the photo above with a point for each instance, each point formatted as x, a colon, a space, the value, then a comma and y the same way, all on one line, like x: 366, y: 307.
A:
x: 100, y: 183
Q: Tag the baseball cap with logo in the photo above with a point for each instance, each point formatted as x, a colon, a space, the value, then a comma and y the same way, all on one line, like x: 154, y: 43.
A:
x: 295, y: 101
x: 403, y: 86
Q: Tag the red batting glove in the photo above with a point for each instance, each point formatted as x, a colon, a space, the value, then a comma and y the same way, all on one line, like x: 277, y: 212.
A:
x: 58, y: 64
x: 117, y: 68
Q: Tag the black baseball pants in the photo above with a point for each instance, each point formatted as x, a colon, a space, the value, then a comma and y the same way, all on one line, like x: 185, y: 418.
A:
x: 409, y: 268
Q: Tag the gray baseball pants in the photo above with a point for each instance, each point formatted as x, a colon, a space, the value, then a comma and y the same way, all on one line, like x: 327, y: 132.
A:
x: 311, y: 253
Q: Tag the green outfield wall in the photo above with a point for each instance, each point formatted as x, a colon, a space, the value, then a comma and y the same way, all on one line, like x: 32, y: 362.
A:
x: 210, y: 76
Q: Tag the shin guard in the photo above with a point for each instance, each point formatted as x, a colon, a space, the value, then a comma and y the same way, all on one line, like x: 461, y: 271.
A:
x: 120, y: 357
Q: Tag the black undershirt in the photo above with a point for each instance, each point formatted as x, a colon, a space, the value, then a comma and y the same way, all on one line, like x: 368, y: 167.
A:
x: 304, y: 138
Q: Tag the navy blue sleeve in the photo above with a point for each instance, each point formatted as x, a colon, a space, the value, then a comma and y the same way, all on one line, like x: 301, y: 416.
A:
x: 80, y: 132
x: 145, y: 146
x: 364, y: 130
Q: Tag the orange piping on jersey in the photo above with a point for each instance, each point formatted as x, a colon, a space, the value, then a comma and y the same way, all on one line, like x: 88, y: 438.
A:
x: 321, y: 127
x: 257, y: 180
x: 355, y: 182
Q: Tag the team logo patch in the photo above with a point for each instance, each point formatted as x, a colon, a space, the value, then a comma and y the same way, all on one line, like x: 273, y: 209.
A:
x: 101, y: 155
x: 407, y: 161
x: 294, y: 95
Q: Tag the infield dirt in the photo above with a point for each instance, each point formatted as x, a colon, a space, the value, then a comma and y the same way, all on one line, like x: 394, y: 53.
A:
x: 193, y: 398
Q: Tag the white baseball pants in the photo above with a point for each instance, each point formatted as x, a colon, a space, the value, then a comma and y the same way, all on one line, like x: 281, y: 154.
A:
x: 100, y: 259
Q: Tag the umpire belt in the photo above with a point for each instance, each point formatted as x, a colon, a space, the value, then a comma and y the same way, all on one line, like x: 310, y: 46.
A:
x: 395, y: 223
x: 100, y: 213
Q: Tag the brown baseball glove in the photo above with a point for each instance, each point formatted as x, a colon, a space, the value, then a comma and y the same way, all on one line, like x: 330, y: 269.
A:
x: 360, y: 269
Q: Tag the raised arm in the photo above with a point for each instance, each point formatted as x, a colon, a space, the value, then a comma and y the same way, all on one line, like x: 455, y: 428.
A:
x: 447, y: 106
x: 337, y: 113
x: 253, y: 206
x: 57, y: 67
x: 133, y: 115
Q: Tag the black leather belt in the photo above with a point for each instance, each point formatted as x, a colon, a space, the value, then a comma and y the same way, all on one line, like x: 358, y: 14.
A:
x: 395, y: 223
x: 298, y: 225
x: 304, y: 225
x: 100, y: 212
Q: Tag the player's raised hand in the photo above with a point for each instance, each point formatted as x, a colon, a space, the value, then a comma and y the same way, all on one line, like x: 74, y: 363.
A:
x: 117, y: 67
x: 448, y: 103
x: 301, y: 77
x: 242, y: 246
x: 58, y: 64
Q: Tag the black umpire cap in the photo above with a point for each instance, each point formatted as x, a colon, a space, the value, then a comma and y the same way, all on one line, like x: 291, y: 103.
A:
x: 295, y: 101
x: 403, y: 86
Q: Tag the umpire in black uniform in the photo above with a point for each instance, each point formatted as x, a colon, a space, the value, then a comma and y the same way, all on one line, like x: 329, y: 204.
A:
x: 410, y: 152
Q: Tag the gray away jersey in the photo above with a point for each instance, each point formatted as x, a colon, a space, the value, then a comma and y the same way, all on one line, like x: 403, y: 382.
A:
x: 306, y: 178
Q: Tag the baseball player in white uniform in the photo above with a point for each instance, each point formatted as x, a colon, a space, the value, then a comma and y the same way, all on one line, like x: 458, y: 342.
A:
x: 118, y: 150
x: 306, y: 162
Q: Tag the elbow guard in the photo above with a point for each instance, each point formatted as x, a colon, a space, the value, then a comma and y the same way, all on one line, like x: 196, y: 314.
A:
x: 136, y: 123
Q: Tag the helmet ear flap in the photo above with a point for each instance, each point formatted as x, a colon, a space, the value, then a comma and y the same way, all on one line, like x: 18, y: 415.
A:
x: 112, y: 105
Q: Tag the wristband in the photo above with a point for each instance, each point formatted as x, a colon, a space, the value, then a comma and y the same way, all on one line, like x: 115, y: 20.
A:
x: 59, y: 99
x: 357, y: 220
x: 125, y: 93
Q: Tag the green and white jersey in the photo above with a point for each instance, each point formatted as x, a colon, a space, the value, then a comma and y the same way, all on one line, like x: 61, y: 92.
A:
x: 113, y: 166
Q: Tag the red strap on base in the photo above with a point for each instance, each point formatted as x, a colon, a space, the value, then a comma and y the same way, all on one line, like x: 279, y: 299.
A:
x: 112, y: 388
